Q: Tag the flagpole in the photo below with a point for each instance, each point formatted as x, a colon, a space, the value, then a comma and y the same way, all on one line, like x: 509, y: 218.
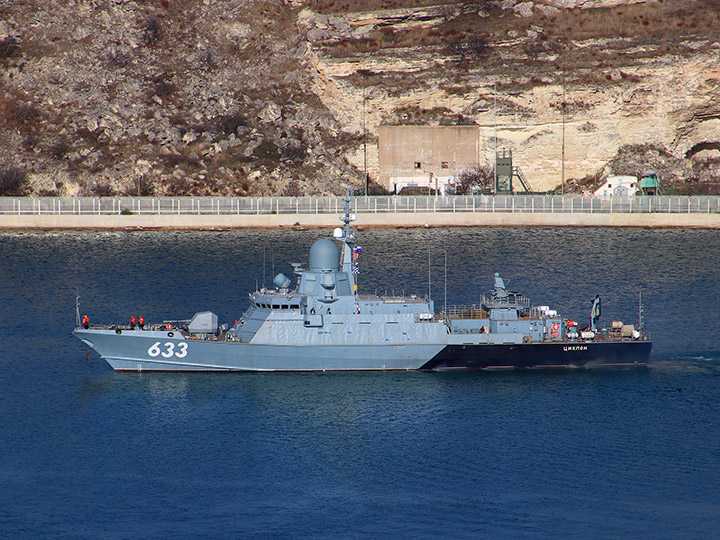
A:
x: 355, y: 268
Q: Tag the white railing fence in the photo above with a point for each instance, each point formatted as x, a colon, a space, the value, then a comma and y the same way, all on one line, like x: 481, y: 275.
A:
x: 373, y: 204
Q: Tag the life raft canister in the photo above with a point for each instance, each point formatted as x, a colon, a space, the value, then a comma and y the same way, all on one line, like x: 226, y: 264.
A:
x: 555, y: 330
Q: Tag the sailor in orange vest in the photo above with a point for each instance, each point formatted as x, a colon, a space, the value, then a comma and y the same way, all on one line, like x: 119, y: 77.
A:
x: 141, y: 323
x: 86, y: 322
x: 132, y: 322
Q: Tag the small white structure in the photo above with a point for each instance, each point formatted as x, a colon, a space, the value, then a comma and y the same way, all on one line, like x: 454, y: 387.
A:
x: 619, y: 186
x: 442, y: 185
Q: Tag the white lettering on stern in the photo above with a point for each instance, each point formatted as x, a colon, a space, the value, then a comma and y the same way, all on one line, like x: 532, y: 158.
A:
x: 575, y: 348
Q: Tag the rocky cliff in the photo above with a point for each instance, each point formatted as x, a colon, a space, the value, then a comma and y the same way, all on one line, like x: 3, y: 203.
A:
x: 269, y: 97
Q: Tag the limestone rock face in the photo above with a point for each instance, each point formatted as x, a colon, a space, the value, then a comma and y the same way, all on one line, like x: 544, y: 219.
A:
x: 564, y: 106
x: 285, y: 98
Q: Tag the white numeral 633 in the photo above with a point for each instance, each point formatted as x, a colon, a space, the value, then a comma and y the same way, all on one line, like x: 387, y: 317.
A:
x: 168, y: 349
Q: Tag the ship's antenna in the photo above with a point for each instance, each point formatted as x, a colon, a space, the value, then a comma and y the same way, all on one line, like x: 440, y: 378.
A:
x: 641, y: 322
x: 264, y: 270
x: 445, y: 301
x: 429, y: 276
x: 77, y: 308
x: 347, y: 219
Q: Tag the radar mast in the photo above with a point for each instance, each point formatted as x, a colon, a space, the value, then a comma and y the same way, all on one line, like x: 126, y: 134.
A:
x: 345, y: 235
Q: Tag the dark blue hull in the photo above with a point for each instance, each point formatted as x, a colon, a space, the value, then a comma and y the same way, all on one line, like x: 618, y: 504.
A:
x: 542, y: 355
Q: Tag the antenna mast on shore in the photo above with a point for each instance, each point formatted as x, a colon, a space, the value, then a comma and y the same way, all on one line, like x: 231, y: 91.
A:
x: 562, y: 75
x: 495, y: 137
x: 365, y: 135
x: 562, y: 167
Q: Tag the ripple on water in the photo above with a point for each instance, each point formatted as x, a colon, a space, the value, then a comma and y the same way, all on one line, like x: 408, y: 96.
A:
x: 552, y: 454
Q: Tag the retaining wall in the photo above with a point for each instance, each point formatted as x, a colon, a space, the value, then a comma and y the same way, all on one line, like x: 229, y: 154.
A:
x: 399, y: 219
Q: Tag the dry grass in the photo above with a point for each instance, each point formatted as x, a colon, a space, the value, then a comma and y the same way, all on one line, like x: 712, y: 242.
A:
x: 663, y: 27
x: 340, y: 6
x: 648, y: 21
x: 18, y: 112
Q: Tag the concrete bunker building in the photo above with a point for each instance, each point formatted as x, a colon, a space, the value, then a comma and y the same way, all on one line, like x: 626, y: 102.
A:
x: 429, y: 157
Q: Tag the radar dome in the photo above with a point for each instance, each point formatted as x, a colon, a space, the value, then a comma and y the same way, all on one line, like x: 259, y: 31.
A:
x: 324, y: 255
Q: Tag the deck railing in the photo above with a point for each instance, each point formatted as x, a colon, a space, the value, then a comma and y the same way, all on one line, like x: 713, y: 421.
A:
x: 375, y: 204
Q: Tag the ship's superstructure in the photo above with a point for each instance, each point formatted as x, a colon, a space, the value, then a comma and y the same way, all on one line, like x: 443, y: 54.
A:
x: 323, y: 323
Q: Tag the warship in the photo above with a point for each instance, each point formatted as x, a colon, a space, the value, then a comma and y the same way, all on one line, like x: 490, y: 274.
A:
x: 324, y: 324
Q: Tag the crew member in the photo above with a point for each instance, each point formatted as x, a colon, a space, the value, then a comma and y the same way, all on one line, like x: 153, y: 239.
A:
x: 86, y: 322
x: 132, y: 322
x: 141, y: 323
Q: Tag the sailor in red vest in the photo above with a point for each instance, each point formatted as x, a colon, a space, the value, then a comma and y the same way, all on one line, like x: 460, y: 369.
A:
x: 141, y: 323
x: 86, y: 322
x: 132, y: 322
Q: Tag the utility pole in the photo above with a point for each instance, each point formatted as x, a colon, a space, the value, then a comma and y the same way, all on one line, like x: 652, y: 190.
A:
x: 562, y: 75
x: 562, y: 168
x: 365, y: 134
x: 495, y: 138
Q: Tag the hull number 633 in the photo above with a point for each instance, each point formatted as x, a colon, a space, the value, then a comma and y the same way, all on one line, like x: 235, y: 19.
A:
x: 168, y: 349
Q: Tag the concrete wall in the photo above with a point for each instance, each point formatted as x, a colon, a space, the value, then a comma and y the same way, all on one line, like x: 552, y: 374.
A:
x: 443, y: 151
x: 381, y: 219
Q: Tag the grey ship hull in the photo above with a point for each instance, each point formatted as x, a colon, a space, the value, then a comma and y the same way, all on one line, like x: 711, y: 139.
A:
x: 130, y: 352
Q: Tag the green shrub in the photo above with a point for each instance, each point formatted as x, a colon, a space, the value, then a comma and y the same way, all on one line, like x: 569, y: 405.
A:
x: 8, y: 47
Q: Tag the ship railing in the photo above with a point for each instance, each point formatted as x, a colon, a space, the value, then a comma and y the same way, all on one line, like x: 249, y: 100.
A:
x: 146, y: 327
x: 392, y: 298
x: 514, y: 301
x: 565, y: 204
x: 600, y: 336
x: 464, y: 311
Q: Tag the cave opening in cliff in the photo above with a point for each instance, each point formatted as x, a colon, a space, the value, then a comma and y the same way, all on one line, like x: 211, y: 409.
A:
x: 702, y: 146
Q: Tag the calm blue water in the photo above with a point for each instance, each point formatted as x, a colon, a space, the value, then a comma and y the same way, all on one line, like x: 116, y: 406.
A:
x: 86, y: 453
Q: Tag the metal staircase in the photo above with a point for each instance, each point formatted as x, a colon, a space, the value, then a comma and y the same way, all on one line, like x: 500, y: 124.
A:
x: 520, y: 176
